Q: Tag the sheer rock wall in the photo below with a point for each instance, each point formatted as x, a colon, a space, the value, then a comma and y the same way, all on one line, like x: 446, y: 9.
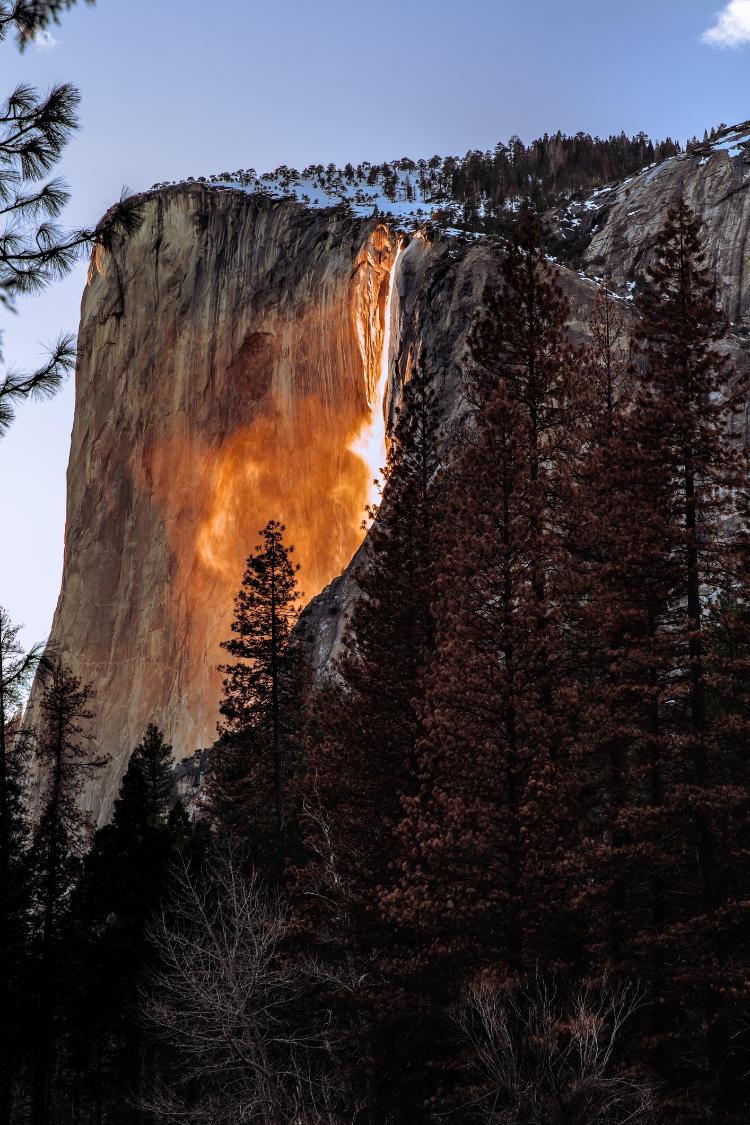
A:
x: 716, y: 185
x: 227, y: 354
x: 220, y: 378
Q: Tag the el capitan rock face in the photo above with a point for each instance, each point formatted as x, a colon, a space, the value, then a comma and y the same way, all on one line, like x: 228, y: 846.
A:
x: 231, y: 358
x: 222, y: 374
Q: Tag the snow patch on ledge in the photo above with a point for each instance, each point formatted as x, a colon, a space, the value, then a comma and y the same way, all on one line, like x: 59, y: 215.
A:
x: 398, y: 196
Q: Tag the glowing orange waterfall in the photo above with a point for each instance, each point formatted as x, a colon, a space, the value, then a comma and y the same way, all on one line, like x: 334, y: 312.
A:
x: 370, y: 442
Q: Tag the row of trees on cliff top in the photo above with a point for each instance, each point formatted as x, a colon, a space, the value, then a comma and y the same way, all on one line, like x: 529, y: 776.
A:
x: 483, y: 190
x: 495, y: 869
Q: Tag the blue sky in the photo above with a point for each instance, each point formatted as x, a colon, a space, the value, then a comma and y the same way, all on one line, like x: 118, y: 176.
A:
x: 172, y: 89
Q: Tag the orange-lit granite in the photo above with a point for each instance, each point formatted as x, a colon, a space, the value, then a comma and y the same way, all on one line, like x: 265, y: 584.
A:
x: 220, y: 384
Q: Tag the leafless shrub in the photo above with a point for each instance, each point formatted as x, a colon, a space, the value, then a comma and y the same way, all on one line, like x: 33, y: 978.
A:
x: 237, y: 1007
x: 549, y: 1058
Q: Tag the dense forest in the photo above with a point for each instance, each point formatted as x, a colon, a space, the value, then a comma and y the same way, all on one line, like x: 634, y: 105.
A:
x: 544, y: 172
x: 494, y: 868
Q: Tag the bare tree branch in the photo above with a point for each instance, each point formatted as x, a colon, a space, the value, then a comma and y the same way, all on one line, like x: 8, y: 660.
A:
x: 548, y: 1057
x: 236, y: 1006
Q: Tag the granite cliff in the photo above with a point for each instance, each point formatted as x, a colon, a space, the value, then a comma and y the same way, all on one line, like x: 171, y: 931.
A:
x: 615, y: 227
x: 226, y: 355
x: 240, y: 358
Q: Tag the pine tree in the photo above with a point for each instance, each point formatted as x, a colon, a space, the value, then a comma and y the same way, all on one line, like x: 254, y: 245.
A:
x: 469, y: 778
x: 609, y: 376
x: 688, y: 401
x: 669, y: 857
x: 64, y: 755
x: 598, y: 625
x: 503, y: 575
x: 362, y: 758
x: 485, y: 828
x: 17, y: 669
x: 626, y: 753
x: 29, y: 17
x: 147, y: 785
x: 125, y: 878
x: 258, y: 749
x: 34, y: 130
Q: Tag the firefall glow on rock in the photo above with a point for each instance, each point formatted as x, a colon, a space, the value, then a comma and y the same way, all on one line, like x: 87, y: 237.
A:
x: 219, y: 384
x: 370, y: 443
x: 297, y: 460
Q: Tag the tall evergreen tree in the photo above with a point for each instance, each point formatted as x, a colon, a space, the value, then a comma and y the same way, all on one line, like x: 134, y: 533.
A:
x: 258, y: 749
x: 609, y: 375
x: 125, y: 878
x: 486, y: 823
x: 64, y: 754
x: 495, y: 732
x: 17, y: 669
x: 687, y: 401
x: 146, y: 788
x: 602, y: 492
x: 593, y: 532
x: 671, y: 855
x: 624, y: 750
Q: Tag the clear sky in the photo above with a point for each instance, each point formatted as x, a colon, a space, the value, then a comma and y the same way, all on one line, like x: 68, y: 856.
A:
x: 173, y: 88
